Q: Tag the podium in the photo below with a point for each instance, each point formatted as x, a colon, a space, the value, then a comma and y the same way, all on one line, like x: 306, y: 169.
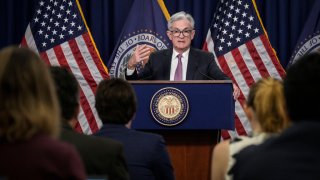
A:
x: 210, y: 107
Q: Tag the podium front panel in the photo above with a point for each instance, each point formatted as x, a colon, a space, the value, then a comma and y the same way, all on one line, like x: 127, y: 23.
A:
x: 211, y: 104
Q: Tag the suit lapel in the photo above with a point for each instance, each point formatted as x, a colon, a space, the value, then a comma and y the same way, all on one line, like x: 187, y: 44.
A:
x: 192, y: 67
x: 167, y: 64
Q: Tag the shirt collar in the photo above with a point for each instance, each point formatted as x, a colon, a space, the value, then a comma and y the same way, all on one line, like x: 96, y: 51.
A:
x: 184, y: 54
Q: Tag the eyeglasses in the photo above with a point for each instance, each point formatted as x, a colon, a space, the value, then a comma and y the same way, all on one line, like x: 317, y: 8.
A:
x: 176, y: 33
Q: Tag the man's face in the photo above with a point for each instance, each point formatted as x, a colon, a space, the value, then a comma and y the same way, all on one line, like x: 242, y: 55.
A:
x: 181, y: 34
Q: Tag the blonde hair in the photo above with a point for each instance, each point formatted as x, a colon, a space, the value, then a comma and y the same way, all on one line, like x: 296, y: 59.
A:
x: 267, y: 100
x: 28, y: 103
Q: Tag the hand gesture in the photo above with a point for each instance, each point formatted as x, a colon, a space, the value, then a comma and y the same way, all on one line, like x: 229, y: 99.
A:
x: 140, y: 55
x: 236, y: 91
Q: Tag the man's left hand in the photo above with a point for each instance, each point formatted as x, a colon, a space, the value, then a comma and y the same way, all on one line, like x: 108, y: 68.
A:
x: 236, y: 91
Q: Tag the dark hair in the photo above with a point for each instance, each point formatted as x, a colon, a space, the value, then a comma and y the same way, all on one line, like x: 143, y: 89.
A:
x: 115, y: 101
x: 301, y: 88
x: 67, y: 90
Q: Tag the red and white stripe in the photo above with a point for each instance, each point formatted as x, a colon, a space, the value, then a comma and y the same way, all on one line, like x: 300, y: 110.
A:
x: 245, y: 65
x: 81, y: 58
x: 28, y: 40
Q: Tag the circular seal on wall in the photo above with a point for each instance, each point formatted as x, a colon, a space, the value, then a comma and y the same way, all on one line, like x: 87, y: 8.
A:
x: 127, y: 45
x: 308, y: 45
x: 169, y: 106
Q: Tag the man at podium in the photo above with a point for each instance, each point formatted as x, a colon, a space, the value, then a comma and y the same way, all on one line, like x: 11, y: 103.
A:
x: 180, y: 63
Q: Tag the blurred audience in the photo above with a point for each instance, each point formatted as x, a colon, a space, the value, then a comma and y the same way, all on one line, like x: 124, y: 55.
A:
x: 145, y: 153
x: 265, y: 109
x: 294, y: 154
x: 101, y: 156
x: 29, y: 124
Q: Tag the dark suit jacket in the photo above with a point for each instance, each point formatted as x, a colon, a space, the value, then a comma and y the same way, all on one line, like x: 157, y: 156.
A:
x: 201, y: 66
x: 101, y: 156
x: 145, y: 153
x: 292, y: 155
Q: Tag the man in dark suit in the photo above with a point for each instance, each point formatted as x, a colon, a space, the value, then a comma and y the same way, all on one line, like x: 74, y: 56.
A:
x: 178, y: 63
x: 145, y: 153
x: 101, y: 156
x: 295, y: 153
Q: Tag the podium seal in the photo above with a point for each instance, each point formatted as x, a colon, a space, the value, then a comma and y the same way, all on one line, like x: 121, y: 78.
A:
x: 169, y: 106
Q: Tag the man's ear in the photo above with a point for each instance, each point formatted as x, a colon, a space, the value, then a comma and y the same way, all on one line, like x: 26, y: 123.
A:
x: 169, y: 35
x: 74, y: 119
x: 193, y: 32
x: 77, y: 111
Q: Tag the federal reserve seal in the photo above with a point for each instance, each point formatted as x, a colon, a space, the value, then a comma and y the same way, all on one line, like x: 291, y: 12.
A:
x: 308, y: 45
x: 169, y: 106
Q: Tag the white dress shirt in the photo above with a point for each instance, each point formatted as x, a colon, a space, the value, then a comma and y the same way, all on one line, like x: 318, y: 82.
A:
x: 174, y: 64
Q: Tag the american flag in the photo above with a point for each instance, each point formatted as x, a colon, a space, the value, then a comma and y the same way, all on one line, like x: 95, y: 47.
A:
x: 58, y: 32
x: 243, y: 51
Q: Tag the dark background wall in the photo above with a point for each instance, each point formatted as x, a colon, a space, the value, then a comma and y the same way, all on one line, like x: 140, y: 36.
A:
x: 283, y: 20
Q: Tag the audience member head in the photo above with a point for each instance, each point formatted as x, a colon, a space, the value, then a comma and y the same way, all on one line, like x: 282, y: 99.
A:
x: 67, y: 89
x: 301, y: 89
x: 28, y: 100
x: 267, y: 102
x: 115, y: 101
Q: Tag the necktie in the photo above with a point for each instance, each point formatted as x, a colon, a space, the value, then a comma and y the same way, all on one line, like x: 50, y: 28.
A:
x: 178, y: 73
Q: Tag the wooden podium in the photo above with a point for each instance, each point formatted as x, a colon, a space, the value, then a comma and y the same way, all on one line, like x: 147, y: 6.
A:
x: 190, y: 143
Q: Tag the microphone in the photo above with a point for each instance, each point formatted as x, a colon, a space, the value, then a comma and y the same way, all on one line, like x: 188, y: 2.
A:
x: 203, y: 74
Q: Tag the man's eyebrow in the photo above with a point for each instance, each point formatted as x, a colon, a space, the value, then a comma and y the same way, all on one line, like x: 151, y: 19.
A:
x: 182, y: 29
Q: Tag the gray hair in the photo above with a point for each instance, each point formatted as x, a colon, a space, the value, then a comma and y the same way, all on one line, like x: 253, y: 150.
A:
x: 179, y: 16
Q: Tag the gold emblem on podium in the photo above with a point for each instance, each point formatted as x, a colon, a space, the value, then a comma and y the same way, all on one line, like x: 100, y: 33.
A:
x: 169, y: 106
